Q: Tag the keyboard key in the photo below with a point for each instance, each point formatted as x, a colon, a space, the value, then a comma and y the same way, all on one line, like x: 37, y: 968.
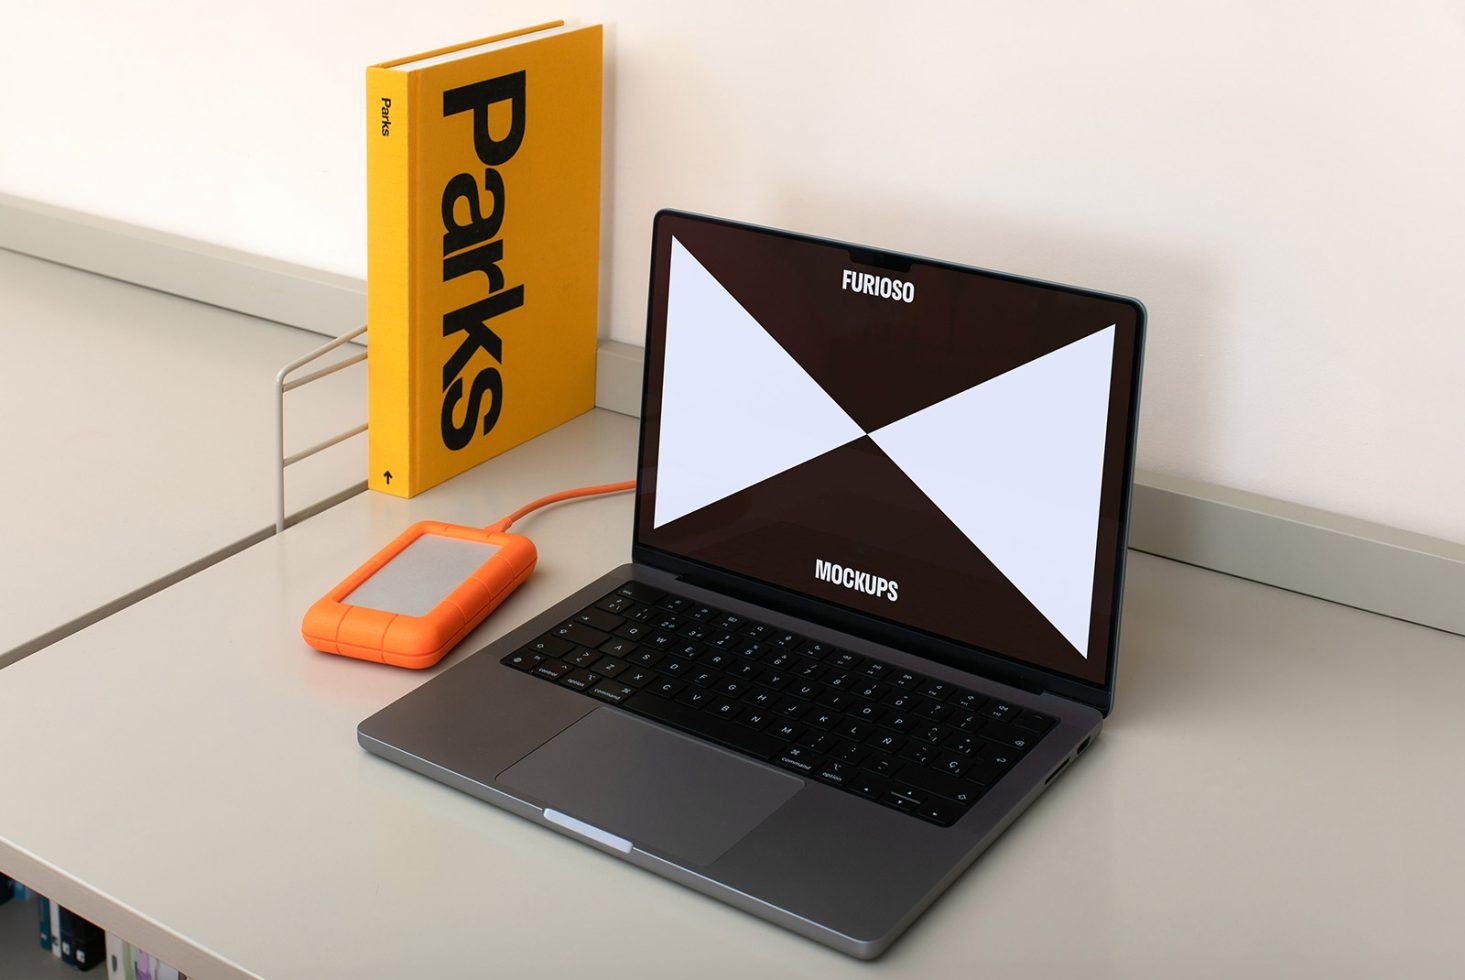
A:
x: 935, y: 710
x: 786, y: 730
x: 999, y: 711
x: 642, y: 614
x: 661, y: 641
x: 583, y: 657
x: 906, y: 680
x: 757, y: 631
x: 936, y: 690
x: 599, y: 618
x: 885, y: 765
x: 856, y: 730
x: 776, y: 679
x: 646, y: 658
x: 723, y: 708
x: 1033, y: 722
x: 789, y: 708
x: 903, y: 700
x: 747, y: 671
x: 580, y: 680
x: 757, y: 718
x: 585, y: 636
x: 941, y: 814
x: 951, y: 765
x: 928, y: 733
x: 717, y: 660
x: 703, y: 614
x: 845, y: 660
x: 636, y: 677
x: 931, y: 782
x: 610, y: 666
x: 666, y: 688
x: 640, y: 592
x: 834, y: 772
x: 523, y: 660
x: 967, y: 700
x: 1009, y: 735
x: 805, y: 692
x: 898, y: 723
x: 667, y: 623
x: 798, y: 759
x: 632, y: 631
x: 731, y: 687
x: 809, y: 670
x: 552, y: 670
x: 868, y: 785
x: 787, y: 640
x: 843, y: 682
x: 824, y: 720
x: 836, y: 700
x: 730, y: 622
x: 903, y: 800
x: 817, y: 741
x: 850, y: 753
x: 963, y: 744
x: 617, y: 604
x: 889, y: 742
x: 674, y: 603
x: 874, y: 670
x: 674, y: 667
x: 702, y: 678
x: 867, y: 712
x: 763, y: 699
x: 695, y: 697
x: 612, y: 691
x: 872, y: 691
x: 551, y: 646
x: 919, y: 752
x: 617, y: 647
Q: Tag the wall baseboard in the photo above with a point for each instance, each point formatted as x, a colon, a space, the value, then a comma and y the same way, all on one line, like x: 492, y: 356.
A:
x: 1369, y: 566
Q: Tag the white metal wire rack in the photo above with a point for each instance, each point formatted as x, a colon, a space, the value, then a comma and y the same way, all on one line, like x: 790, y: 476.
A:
x: 283, y: 383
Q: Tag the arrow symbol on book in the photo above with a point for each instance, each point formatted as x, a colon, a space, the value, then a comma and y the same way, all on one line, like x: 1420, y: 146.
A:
x: 388, y: 475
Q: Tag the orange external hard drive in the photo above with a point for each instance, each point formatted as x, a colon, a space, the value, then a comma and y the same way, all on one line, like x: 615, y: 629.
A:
x: 416, y: 598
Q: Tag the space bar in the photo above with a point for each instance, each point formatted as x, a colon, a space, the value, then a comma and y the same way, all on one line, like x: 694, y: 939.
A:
x: 697, y: 722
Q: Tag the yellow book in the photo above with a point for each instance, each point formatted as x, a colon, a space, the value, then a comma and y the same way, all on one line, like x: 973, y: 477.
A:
x: 483, y: 230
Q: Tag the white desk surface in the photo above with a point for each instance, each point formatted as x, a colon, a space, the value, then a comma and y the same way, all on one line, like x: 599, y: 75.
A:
x: 1277, y: 794
x: 137, y: 435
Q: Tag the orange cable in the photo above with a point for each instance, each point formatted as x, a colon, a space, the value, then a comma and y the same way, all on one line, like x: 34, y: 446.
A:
x: 503, y: 524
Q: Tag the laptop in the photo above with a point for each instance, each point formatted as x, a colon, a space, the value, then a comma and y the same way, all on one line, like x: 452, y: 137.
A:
x: 872, y: 607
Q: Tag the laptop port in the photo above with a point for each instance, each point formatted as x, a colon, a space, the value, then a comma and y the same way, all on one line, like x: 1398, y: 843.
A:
x: 1083, y: 745
x: 1054, y: 774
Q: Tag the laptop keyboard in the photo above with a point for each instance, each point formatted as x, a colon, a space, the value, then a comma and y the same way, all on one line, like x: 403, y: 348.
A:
x: 915, y: 744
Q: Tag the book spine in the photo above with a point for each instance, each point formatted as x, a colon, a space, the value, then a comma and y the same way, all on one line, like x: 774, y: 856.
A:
x: 116, y: 957
x: 55, y: 929
x: 43, y: 906
x: 68, y: 937
x: 389, y: 261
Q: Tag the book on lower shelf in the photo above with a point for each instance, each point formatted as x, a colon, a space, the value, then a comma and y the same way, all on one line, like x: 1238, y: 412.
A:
x: 83, y: 945
x: 483, y: 241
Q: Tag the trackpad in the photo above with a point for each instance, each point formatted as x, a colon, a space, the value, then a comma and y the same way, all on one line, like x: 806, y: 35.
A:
x: 664, y: 792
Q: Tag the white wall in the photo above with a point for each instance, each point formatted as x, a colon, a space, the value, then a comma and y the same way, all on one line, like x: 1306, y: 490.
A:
x: 1281, y: 182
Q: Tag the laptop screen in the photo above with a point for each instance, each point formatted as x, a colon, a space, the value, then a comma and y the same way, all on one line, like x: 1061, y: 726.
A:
x: 937, y: 447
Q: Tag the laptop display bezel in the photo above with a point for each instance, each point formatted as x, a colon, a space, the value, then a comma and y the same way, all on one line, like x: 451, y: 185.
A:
x: 951, y: 653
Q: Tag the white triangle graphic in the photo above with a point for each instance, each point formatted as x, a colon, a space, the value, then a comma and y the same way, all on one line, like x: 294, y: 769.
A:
x: 1016, y: 462
x: 735, y: 407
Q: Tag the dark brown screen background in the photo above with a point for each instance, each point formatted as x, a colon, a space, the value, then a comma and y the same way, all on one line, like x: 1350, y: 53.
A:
x: 882, y: 361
